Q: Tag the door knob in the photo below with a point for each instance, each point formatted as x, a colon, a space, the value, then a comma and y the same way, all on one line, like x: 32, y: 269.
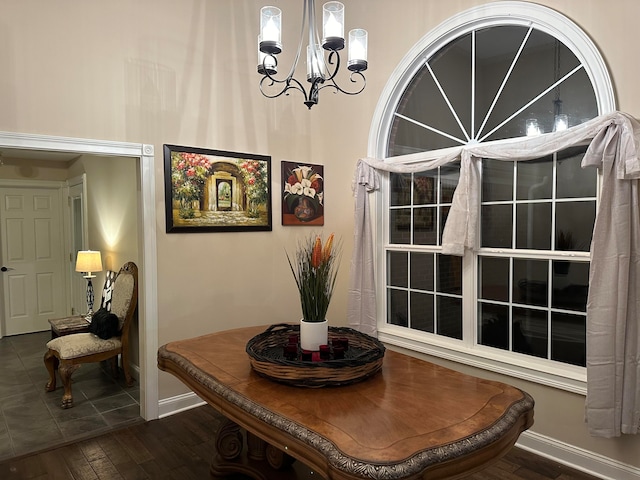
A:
x: 5, y: 269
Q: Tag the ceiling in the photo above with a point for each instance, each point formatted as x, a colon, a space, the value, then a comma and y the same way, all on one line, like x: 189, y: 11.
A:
x: 18, y: 153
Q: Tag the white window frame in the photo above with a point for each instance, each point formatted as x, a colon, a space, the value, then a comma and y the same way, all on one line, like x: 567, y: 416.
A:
x: 564, y: 376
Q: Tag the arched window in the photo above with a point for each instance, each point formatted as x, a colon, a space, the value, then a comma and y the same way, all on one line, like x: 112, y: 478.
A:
x: 493, y: 73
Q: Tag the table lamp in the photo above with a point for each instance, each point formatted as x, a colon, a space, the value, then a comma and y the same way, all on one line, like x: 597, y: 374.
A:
x: 89, y: 261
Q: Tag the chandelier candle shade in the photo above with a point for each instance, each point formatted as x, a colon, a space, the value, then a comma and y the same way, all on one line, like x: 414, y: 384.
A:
x: 314, y: 269
x: 87, y: 262
x: 323, y: 57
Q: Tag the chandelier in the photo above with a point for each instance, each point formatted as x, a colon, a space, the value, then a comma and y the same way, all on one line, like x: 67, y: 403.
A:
x: 323, y: 58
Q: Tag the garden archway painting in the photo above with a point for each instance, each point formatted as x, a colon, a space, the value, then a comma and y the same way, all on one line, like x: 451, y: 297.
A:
x: 214, y: 190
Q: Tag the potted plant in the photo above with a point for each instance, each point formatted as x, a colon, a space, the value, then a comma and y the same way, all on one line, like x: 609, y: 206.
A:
x: 314, y: 269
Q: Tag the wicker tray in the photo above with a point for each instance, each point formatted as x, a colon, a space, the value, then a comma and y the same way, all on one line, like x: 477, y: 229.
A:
x: 362, y: 359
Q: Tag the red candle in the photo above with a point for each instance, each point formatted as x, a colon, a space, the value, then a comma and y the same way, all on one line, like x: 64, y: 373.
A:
x: 290, y: 351
x: 324, y: 352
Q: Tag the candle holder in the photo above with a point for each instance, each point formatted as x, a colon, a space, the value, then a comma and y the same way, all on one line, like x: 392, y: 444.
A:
x: 348, y: 357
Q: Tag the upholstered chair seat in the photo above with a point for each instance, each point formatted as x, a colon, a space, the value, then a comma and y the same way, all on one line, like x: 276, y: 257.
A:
x: 82, y: 344
x: 65, y: 354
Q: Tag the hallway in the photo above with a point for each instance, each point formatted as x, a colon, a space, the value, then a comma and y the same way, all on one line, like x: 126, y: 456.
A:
x: 31, y: 419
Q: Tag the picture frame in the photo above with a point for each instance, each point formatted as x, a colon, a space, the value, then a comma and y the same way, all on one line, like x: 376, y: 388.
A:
x: 302, y: 194
x: 216, y: 191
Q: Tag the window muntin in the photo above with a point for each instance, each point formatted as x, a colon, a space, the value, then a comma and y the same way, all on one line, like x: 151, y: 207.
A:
x: 535, y: 307
x: 484, y: 85
x: 544, y: 204
x: 393, y: 135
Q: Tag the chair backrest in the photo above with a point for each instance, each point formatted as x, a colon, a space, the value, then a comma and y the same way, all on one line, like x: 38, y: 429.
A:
x: 124, y: 297
x: 107, y: 289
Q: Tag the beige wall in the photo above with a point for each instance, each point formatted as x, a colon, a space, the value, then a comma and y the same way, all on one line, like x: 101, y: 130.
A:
x: 112, y: 211
x: 162, y: 71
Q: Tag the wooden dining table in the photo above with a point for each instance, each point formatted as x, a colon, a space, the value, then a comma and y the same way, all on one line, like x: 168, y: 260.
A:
x: 411, y: 420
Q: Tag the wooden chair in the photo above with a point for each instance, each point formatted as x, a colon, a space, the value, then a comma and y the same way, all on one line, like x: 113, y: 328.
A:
x: 65, y: 354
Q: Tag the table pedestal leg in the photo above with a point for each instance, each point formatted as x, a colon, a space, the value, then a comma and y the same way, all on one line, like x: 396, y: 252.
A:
x: 257, y: 459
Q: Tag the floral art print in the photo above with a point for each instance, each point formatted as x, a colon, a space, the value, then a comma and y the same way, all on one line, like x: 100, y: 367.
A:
x: 302, y: 194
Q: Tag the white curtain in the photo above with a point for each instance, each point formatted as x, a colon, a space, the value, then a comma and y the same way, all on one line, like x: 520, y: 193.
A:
x: 613, y: 397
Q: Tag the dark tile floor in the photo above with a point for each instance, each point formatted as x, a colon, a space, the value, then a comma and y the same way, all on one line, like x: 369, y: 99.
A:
x: 32, y: 419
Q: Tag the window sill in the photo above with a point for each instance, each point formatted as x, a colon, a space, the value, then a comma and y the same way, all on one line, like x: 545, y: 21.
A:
x: 569, y: 378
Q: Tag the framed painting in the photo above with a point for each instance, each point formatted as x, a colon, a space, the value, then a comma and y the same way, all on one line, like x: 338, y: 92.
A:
x: 216, y: 191
x: 302, y: 194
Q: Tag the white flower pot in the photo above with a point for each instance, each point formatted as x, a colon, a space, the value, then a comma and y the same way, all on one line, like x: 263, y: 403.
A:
x: 313, y: 334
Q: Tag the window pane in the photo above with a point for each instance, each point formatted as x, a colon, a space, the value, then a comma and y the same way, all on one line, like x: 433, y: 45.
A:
x: 574, y: 225
x: 398, y: 308
x: 497, y: 180
x: 533, y: 226
x: 530, y: 332
x: 492, y: 64
x: 572, y: 180
x: 530, y: 281
x: 496, y: 226
x: 450, y: 317
x: 534, y: 179
x: 444, y: 214
x: 424, y: 226
x: 494, y: 278
x: 568, y: 338
x: 397, y: 269
x: 422, y: 271
x: 449, y: 177
x: 493, y: 325
x: 449, y: 274
x: 424, y: 187
x: 532, y: 74
x: 422, y: 312
x: 570, y: 285
x: 400, y: 192
x: 400, y: 226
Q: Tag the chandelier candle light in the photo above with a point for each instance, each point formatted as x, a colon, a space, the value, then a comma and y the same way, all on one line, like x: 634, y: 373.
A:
x: 321, y: 70
x: 314, y: 270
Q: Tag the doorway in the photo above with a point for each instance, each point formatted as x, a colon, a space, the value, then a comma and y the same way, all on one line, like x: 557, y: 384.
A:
x: 31, y: 237
x: 15, y: 144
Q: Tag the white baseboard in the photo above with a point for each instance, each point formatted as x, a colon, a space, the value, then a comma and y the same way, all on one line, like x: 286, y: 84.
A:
x: 134, y: 370
x: 179, y: 403
x: 569, y: 455
x: 578, y: 458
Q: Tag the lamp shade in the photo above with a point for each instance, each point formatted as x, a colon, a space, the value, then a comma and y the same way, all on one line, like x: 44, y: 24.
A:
x: 88, y: 261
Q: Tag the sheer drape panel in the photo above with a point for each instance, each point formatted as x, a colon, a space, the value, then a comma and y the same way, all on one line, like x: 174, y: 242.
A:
x: 361, y: 306
x: 612, y: 311
x: 613, y: 372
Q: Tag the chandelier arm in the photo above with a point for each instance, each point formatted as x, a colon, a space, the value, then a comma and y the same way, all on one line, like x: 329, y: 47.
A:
x: 334, y: 58
x: 294, y: 65
x: 337, y: 87
x: 288, y: 84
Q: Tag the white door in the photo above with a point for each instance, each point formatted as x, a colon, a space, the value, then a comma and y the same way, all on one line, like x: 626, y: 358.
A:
x: 32, y: 258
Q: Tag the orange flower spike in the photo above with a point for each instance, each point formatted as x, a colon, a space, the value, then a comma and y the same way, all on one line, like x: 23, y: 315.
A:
x: 326, y: 251
x: 316, y: 254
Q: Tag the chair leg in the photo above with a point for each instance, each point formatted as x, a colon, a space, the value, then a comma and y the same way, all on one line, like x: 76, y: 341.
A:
x: 66, y: 370
x: 125, y: 369
x: 51, y: 362
x: 113, y: 363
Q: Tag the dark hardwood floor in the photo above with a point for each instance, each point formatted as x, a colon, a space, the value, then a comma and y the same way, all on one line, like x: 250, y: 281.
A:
x: 179, y: 448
